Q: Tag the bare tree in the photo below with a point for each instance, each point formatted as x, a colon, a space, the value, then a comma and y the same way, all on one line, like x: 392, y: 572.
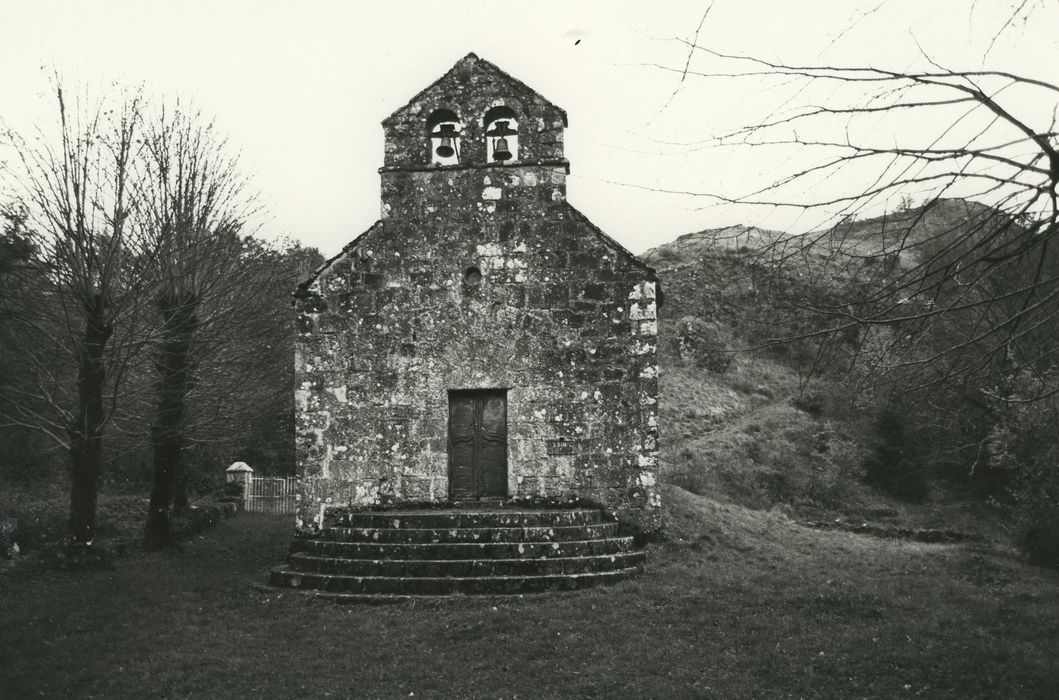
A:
x: 208, y: 276
x: 74, y: 305
x: 130, y: 238
x: 964, y: 285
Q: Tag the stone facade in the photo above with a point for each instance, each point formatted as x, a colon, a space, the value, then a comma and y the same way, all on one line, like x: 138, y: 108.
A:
x: 479, y: 276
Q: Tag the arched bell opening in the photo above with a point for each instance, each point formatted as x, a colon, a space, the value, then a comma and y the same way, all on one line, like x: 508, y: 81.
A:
x: 443, y: 131
x: 501, y: 135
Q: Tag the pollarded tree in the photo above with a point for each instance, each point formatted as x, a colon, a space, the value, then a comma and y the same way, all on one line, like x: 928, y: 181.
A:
x: 240, y: 404
x: 207, y: 276
x: 73, y: 309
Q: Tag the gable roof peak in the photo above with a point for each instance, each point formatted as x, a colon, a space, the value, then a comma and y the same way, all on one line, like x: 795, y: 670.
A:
x: 464, y: 66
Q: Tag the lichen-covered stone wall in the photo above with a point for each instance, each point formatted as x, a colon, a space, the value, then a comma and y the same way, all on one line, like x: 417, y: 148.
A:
x: 562, y: 317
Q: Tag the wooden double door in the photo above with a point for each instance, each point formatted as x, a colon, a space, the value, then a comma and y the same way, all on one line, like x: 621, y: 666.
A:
x: 477, y: 444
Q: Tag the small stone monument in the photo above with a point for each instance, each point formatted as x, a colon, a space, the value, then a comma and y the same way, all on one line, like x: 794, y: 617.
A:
x: 237, y: 483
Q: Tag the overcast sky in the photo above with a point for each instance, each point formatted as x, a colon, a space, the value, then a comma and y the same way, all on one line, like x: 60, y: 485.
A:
x: 301, y: 87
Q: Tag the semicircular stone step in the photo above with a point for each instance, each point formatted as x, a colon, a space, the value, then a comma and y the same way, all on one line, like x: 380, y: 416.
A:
x: 290, y: 578
x: 445, y: 519
x: 455, y: 550
x: 557, y: 533
x: 436, y: 568
x: 460, y: 550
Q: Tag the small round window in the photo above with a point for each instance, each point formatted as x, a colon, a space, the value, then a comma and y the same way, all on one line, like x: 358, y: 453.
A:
x: 472, y: 276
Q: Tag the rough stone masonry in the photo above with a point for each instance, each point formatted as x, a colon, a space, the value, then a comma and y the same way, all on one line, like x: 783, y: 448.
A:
x: 479, y: 276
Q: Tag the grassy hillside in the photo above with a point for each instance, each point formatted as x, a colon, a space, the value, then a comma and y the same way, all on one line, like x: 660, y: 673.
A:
x: 784, y: 425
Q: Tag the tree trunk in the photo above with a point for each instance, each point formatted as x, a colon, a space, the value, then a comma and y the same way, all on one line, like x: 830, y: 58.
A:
x: 86, y: 432
x: 167, y: 434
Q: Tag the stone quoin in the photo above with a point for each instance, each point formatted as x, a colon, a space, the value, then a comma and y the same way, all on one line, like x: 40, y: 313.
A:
x: 483, y: 340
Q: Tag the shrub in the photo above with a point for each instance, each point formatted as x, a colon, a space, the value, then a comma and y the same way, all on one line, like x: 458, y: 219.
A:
x: 892, y: 464
x: 1036, y: 495
x: 704, y: 344
x: 1023, y: 442
x: 822, y: 397
x: 810, y: 400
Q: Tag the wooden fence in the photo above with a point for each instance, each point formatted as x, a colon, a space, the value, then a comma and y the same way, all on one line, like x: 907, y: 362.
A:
x: 270, y: 494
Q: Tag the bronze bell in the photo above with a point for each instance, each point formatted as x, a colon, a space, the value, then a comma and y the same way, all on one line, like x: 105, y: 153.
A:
x: 446, y: 149
x: 500, y: 151
x: 501, y: 130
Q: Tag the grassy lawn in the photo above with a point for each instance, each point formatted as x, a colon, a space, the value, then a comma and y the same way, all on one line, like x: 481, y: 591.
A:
x: 740, y: 603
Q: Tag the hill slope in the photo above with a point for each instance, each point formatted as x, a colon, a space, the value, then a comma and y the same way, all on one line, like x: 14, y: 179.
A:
x: 751, y: 427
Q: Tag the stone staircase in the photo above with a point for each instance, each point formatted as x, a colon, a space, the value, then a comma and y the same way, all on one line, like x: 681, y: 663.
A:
x: 460, y: 551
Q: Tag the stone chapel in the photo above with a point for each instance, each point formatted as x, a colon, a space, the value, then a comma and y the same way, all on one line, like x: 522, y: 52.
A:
x: 483, y: 341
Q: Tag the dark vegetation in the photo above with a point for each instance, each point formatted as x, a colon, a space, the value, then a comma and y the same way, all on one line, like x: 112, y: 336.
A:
x: 810, y: 417
x: 238, y: 403
x: 925, y: 308
x: 888, y: 465
x: 144, y: 330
